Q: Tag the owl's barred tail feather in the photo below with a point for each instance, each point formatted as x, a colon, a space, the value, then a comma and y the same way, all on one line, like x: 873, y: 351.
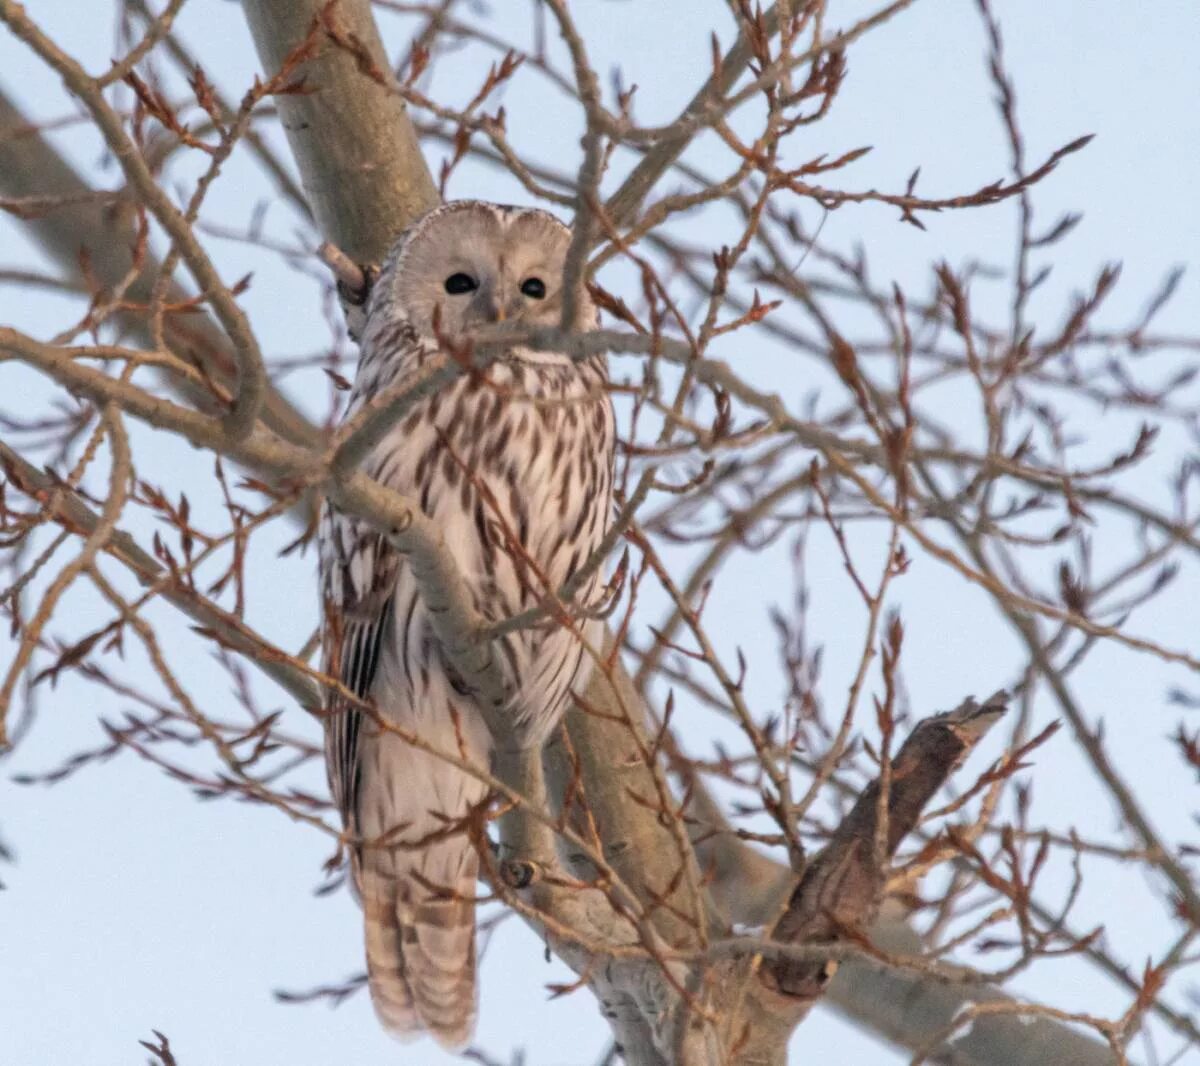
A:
x: 421, y: 949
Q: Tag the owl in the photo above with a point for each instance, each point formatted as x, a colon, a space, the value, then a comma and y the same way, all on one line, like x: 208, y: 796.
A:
x: 515, y: 468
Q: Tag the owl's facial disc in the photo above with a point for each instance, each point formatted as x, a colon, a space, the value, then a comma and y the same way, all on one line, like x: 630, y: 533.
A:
x: 477, y: 265
x: 503, y: 296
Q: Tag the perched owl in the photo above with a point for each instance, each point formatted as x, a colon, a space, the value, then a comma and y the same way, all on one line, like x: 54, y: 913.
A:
x: 515, y: 467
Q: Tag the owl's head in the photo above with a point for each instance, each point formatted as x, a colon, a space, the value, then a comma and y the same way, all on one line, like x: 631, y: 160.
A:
x: 471, y: 263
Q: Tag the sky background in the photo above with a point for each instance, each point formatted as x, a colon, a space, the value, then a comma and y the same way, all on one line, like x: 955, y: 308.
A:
x: 132, y: 906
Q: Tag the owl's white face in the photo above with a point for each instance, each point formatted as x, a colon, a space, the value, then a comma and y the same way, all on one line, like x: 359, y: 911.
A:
x: 470, y: 264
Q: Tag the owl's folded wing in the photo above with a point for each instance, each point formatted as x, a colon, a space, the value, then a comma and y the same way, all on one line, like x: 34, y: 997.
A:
x: 358, y: 574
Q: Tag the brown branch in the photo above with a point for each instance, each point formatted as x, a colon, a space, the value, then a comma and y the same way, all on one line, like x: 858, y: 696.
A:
x: 251, y: 373
x: 71, y: 511
x: 842, y: 886
x: 283, y: 179
x: 29, y: 166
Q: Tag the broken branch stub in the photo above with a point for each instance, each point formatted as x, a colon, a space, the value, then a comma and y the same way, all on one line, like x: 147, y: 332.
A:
x: 842, y: 886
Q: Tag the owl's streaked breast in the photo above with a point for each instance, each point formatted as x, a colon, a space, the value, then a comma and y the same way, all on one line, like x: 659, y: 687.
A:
x: 515, y: 468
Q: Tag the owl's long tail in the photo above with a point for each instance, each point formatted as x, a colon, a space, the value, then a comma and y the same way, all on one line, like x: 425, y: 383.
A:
x: 420, y: 948
x: 418, y: 894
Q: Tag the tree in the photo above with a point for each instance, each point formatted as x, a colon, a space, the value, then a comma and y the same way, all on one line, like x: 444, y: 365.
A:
x: 703, y: 885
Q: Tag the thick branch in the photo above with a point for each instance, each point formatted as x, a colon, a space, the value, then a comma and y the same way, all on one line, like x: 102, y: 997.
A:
x: 843, y: 885
x: 604, y: 745
x: 841, y: 888
x: 357, y: 151
x: 907, y: 1008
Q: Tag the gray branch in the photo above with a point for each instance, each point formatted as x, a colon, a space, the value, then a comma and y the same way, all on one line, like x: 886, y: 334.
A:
x: 357, y: 151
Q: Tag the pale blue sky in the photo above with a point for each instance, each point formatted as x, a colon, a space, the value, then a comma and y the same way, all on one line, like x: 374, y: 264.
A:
x: 135, y: 907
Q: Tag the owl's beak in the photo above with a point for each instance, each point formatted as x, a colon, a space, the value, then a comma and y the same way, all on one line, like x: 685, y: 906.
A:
x: 487, y: 308
x: 490, y: 308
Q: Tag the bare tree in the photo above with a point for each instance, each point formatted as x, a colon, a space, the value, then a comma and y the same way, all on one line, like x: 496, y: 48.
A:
x: 705, y: 893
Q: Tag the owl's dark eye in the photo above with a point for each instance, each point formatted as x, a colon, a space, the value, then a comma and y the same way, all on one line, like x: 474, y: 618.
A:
x: 457, y: 284
x: 534, y: 288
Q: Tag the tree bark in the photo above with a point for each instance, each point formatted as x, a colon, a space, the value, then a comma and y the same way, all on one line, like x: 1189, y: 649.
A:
x: 359, y: 159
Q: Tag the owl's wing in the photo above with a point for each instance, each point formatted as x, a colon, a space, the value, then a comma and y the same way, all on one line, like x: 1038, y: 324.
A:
x: 420, y: 947
x: 358, y: 574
